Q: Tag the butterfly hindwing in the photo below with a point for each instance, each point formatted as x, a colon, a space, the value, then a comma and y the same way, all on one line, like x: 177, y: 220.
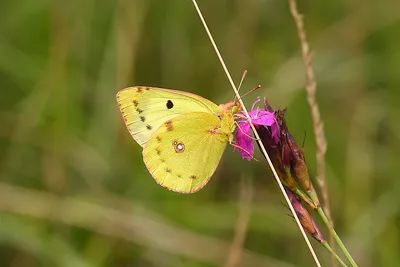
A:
x: 145, y: 109
x: 185, y: 151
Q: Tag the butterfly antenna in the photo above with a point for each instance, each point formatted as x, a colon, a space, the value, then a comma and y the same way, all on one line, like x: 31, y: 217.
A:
x: 241, y: 81
x: 240, y: 85
x: 251, y: 91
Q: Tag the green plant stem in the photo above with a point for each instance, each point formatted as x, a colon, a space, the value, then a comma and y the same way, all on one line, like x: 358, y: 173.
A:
x: 305, y: 198
x: 336, y: 237
x: 326, y: 245
x: 313, y: 197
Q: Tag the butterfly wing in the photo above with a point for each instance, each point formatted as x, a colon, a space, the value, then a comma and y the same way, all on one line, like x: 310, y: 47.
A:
x: 185, y: 151
x: 145, y: 109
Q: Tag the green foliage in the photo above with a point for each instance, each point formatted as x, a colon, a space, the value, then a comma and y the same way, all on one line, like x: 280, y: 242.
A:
x: 74, y: 190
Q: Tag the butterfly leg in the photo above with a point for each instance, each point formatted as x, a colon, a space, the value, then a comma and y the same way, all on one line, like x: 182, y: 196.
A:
x: 241, y: 148
x: 249, y: 136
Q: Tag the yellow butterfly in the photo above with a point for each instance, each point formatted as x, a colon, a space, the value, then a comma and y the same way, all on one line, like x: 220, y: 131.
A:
x: 183, y: 135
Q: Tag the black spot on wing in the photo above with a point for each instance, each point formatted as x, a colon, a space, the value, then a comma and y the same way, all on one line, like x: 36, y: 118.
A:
x: 169, y: 104
x: 142, y: 118
x: 148, y: 126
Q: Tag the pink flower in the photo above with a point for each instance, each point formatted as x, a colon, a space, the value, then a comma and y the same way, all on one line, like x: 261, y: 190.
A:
x: 243, y: 134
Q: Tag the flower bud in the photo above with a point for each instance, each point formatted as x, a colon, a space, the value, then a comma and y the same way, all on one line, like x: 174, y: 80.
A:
x: 305, y: 217
x: 299, y: 169
x: 280, y: 160
x: 298, y: 166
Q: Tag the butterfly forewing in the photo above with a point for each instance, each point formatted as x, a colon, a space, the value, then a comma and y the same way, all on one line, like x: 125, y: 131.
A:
x: 145, y: 109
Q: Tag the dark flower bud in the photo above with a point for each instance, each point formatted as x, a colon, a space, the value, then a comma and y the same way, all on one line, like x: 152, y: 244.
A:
x: 305, y: 218
x: 277, y: 157
x: 299, y: 169
x: 295, y: 158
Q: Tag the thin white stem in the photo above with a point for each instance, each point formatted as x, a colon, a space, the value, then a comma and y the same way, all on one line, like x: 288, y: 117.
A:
x: 257, y: 136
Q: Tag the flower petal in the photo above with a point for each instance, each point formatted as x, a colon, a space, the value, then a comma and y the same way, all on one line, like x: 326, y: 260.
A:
x: 244, y: 140
x: 275, y: 132
x: 264, y: 118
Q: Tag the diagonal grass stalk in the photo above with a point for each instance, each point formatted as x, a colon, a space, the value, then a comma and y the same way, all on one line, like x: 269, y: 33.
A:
x: 326, y: 245
x: 257, y: 136
x: 323, y: 216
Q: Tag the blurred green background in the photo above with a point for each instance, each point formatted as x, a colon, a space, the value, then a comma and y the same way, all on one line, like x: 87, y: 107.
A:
x: 73, y: 188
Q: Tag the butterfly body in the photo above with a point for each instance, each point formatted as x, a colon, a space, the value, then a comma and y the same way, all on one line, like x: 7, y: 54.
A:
x: 183, y: 135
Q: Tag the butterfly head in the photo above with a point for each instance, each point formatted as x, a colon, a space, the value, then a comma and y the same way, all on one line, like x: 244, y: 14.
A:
x: 228, y: 111
x: 232, y: 107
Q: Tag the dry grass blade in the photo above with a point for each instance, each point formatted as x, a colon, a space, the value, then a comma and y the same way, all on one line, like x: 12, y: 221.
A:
x: 312, y: 101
